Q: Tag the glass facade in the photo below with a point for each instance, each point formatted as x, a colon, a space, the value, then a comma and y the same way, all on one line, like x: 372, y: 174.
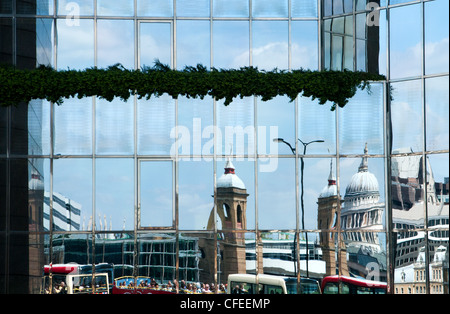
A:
x: 193, y: 190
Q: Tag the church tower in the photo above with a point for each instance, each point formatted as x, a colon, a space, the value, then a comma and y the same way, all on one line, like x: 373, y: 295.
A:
x: 231, y: 205
x: 328, y: 219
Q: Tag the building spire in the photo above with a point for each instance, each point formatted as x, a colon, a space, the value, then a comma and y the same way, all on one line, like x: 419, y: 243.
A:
x: 364, y: 166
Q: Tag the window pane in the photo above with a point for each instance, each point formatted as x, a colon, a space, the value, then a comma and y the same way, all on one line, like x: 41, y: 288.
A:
x: 198, y: 8
x: 72, y: 194
x: 114, y: 194
x: 276, y: 119
x: 195, y: 188
x: 193, y: 43
x: 113, y: 40
x: 437, y: 104
x: 317, y: 122
x: 156, y: 125
x: 361, y: 121
x: 304, y: 8
x: 276, y: 202
x: 267, y: 8
x: 436, y: 37
x: 236, y: 127
x: 406, y: 107
x: 405, y: 37
x: 304, y: 45
x: 155, y: 43
x: 75, y: 47
x: 39, y: 127
x: 73, y: 127
x: 115, y: 7
x: 195, y: 126
x: 270, y: 45
x: 157, y: 8
x: 156, y: 194
x: 72, y: 8
x: 231, y: 8
x: 231, y: 44
x: 235, y: 198
x: 38, y: 190
x: 114, y: 127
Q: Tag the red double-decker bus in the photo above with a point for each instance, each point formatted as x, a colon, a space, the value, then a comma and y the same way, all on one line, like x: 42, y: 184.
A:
x: 349, y: 285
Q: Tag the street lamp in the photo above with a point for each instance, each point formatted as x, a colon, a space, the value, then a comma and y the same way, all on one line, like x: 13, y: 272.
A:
x: 280, y: 140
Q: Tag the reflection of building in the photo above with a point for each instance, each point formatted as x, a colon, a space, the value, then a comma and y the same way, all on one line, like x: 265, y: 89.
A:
x: 66, y: 213
x: 328, y: 216
x: 157, y: 254
x: 411, y: 279
x: 408, y: 195
x: 231, y: 205
x: 360, y: 219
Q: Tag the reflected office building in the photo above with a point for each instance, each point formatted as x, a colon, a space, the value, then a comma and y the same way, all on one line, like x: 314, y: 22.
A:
x: 151, y: 185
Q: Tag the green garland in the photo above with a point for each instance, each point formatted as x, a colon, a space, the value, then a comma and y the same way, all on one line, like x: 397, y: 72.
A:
x: 193, y: 82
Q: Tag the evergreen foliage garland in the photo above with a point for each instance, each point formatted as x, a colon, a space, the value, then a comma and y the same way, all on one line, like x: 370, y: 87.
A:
x: 44, y: 82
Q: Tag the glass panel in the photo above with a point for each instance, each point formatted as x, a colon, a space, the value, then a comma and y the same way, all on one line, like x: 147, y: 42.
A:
x: 336, y: 52
x: 156, y: 125
x: 437, y: 190
x: 193, y: 43
x: 317, y: 122
x: 407, y: 193
x: 6, y: 41
x: 318, y: 193
x: 405, y: 37
x: 155, y: 43
x: 199, y: 8
x: 231, y: 44
x: 3, y: 203
x: 75, y: 47
x: 73, y: 127
x: 72, y: 8
x: 276, y: 202
x: 195, y: 188
x: 114, y: 194
x: 406, y: 107
x: 115, y: 7
x: 303, y: 8
x: 195, y: 129
x: 72, y: 195
x: 364, y: 201
x: 113, y: 42
x: 38, y: 187
x: 237, y: 255
x: 114, y: 133
x: 236, y: 206
x: 436, y: 36
x: 270, y: 45
x: 156, y: 194
x: 71, y: 248
x: 267, y: 8
x: 39, y: 127
x: 437, y: 104
x: 236, y: 127
x: 304, y: 45
x: 44, y: 41
x: 278, y: 255
x: 157, y: 8
x: 366, y: 258
x: 6, y: 7
x: 361, y: 121
x: 230, y: 8
x: 276, y: 119
x: 156, y: 261
x: 189, y: 269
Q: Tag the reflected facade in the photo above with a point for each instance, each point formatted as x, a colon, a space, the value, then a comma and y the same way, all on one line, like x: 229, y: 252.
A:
x: 192, y: 190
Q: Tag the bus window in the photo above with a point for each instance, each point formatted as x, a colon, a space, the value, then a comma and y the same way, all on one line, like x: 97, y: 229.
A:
x: 270, y: 289
x: 363, y: 290
x: 331, y: 288
x: 242, y: 288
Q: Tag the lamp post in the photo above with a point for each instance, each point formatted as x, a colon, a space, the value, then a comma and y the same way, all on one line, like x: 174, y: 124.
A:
x: 280, y: 140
